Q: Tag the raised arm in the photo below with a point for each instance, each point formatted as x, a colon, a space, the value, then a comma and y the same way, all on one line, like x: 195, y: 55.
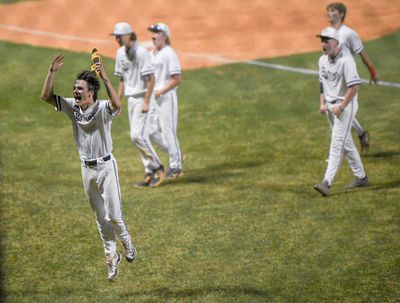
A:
x: 48, y: 85
x: 112, y: 94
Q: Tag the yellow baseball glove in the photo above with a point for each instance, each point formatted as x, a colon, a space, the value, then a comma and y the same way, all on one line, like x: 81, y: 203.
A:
x: 95, y: 58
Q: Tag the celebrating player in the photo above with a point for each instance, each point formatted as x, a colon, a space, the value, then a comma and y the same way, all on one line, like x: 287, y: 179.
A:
x: 134, y: 67
x: 91, y: 121
x: 350, y: 42
x: 340, y: 83
x: 168, y: 76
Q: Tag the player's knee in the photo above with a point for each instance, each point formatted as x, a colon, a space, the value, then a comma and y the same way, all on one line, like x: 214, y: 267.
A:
x: 134, y: 137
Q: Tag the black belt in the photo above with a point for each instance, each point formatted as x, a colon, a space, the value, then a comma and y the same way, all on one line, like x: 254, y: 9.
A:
x: 336, y: 101
x: 94, y: 162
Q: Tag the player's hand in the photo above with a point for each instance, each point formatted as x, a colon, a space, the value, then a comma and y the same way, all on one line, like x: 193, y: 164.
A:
x: 336, y: 111
x: 57, y: 63
x: 99, y: 68
x: 145, y: 107
x: 374, y: 79
x: 157, y: 93
x: 374, y: 75
x: 323, y: 109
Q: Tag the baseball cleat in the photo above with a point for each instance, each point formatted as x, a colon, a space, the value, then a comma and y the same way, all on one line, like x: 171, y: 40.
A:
x: 159, y: 174
x: 358, y: 183
x: 146, y: 181
x: 364, y: 142
x: 173, y: 173
x: 113, y: 264
x: 323, y: 188
x: 129, y: 250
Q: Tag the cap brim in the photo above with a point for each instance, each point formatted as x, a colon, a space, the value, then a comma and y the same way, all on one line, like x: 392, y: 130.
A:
x: 326, y: 37
x: 150, y: 29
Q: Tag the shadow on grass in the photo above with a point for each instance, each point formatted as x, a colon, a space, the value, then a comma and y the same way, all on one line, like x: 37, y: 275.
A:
x: 217, y: 173
x: 384, y: 154
x: 373, y: 187
x: 167, y: 293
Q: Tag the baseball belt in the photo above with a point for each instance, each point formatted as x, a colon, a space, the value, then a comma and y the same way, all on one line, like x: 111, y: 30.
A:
x: 94, y: 162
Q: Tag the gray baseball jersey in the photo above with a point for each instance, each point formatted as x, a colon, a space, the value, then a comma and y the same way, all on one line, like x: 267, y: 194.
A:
x: 337, y: 76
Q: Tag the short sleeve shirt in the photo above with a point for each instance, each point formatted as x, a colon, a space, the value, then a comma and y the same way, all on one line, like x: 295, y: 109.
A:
x: 134, y: 72
x: 166, y: 64
x: 337, y: 75
x: 349, y: 41
x: 92, y: 127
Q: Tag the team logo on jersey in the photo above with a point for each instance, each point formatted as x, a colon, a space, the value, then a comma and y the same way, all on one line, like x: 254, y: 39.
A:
x: 82, y: 118
x: 126, y: 64
x: 329, y: 75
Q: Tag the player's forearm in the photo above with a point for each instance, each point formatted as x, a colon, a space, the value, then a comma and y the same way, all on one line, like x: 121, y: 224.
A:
x: 368, y: 63
x: 321, y: 99
x: 121, y: 89
x: 171, y: 84
x: 350, y: 93
x: 112, y: 94
x: 149, y: 89
x: 47, y: 90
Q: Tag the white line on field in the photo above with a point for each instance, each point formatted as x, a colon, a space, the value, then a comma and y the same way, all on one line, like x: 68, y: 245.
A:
x: 206, y: 56
x: 309, y: 71
x: 51, y: 34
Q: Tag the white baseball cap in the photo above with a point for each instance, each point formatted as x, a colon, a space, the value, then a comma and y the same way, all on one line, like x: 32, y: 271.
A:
x: 122, y: 28
x: 330, y: 33
x: 159, y: 27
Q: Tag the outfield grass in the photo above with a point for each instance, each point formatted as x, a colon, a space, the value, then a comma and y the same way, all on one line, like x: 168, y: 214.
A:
x: 242, y: 225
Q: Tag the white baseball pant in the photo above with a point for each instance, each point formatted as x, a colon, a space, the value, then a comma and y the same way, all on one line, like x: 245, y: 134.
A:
x: 101, y: 185
x: 342, y: 142
x: 168, y: 119
x: 357, y: 127
x: 139, y: 135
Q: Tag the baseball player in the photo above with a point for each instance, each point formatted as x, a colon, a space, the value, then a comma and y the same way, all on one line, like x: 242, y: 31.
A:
x: 168, y: 75
x: 91, y: 122
x: 350, y: 42
x: 134, y: 67
x: 340, y: 83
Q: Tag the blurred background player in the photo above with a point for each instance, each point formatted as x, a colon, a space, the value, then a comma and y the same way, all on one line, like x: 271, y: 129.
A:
x: 134, y: 67
x: 340, y: 83
x: 168, y: 76
x: 349, y: 41
x: 91, y: 121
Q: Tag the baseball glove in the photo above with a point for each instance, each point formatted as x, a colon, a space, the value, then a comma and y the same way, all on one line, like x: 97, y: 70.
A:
x: 95, y: 58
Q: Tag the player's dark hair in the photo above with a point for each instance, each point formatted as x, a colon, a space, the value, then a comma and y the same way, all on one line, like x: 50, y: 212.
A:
x: 133, y: 36
x: 91, y: 80
x: 340, y: 7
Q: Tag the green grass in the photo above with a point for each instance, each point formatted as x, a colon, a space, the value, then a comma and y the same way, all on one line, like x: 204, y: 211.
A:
x: 242, y: 225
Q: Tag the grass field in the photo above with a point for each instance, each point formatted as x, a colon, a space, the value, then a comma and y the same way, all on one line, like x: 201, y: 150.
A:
x: 242, y: 225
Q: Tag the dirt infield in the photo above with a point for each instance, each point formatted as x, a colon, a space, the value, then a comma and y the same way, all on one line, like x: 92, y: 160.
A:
x: 204, y: 32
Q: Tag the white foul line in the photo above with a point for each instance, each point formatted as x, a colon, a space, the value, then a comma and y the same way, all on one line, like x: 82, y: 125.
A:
x: 51, y: 34
x: 309, y: 71
x: 210, y: 57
